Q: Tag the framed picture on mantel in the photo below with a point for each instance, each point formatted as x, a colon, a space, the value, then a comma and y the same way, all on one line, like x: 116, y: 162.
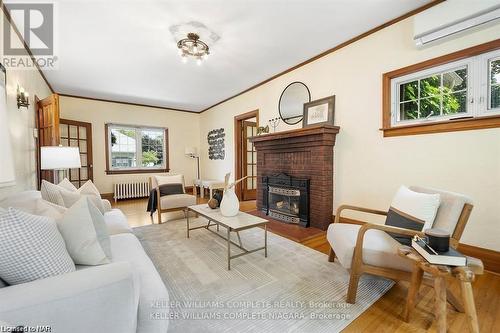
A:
x: 319, y: 112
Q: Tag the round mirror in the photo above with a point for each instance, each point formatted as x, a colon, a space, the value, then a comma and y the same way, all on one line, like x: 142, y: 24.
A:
x: 291, y: 104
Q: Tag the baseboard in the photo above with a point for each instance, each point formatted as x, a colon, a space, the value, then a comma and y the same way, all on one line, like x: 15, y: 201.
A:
x: 490, y: 258
x: 108, y: 196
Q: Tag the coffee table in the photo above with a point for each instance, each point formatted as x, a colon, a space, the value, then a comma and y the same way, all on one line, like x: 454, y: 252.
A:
x: 237, y: 223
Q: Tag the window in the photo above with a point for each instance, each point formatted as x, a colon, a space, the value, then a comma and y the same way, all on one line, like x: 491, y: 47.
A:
x: 494, y: 83
x: 136, y: 149
x: 454, y: 92
x: 434, y: 96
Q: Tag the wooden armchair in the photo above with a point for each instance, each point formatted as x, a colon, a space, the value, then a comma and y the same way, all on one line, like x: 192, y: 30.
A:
x: 368, y: 249
x: 173, y: 202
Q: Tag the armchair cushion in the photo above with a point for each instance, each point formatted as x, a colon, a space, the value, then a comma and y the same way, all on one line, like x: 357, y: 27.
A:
x: 450, y: 208
x: 177, y: 201
x: 168, y: 179
x: 413, y: 210
x: 379, y: 249
x: 169, y: 189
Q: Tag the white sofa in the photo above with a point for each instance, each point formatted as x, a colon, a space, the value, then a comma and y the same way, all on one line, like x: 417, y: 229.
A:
x: 126, y: 295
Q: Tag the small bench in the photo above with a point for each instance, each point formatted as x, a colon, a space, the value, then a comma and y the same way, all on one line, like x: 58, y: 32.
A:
x: 209, y: 184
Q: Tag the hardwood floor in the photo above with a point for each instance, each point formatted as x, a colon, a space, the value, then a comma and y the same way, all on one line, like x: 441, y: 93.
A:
x: 385, y: 314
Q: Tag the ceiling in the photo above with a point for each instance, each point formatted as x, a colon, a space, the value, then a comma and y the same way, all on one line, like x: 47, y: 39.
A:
x: 125, y: 50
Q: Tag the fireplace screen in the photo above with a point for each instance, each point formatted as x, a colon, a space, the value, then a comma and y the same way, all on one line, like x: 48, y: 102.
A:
x: 284, y: 204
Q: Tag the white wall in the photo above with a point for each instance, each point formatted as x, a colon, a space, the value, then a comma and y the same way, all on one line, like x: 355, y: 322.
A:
x: 183, y: 131
x: 368, y: 167
x: 22, y: 122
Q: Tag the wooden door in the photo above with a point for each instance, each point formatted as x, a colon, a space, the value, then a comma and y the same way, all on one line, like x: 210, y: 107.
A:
x: 249, y: 160
x: 78, y: 134
x: 47, y: 121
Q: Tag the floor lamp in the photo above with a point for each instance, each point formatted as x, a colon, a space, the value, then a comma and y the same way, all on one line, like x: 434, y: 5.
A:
x: 192, y: 153
x: 59, y: 158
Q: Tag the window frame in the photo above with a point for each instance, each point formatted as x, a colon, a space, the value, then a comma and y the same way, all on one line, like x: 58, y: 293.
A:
x: 417, y: 76
x: 135, y: 170
x: 477, y: 116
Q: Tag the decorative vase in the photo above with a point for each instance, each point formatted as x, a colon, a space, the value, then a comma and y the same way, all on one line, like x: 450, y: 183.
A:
x: 230, y: 205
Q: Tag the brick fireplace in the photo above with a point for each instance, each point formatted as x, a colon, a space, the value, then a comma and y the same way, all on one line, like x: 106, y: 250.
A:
x: 305, y: 153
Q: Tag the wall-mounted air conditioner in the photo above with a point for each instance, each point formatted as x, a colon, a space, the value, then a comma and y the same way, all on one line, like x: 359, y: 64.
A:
x: 453, y: 17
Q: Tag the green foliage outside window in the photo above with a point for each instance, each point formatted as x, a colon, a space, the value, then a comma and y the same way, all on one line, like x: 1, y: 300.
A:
x: 436, y: 95
x: 150, y: 158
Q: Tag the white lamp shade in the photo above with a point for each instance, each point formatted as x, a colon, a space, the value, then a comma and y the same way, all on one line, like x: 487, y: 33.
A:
x: 190, y: 151
x: 7, y: 170
x: 60, y: 158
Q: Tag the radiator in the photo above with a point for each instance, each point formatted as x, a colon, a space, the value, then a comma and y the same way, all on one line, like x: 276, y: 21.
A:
x: 131, y: 189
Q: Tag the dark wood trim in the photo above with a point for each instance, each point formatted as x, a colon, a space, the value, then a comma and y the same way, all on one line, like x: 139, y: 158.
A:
x: 38, y: 161
x: 321, y: 128
x: 16, y: 30
x: 444, y: 126
x: 167, y: 151
x: 490, y: 258
x: 106, y: 146
x: 237, y: 146
x: 135, y: 171
x: 108, y: 196
x: 127, y: 103
x: 463, y: 124
x: 333, y: 49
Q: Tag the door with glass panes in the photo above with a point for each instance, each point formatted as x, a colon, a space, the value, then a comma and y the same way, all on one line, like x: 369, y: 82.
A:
x: 249, y: 159
x: 78, y: 134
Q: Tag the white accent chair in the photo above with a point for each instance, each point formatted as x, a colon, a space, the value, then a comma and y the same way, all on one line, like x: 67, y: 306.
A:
x: 173, y: 202
x: 368, y: 249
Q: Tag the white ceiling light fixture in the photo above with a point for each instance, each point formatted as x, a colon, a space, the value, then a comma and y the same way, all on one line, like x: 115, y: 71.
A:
x: 193, y: 46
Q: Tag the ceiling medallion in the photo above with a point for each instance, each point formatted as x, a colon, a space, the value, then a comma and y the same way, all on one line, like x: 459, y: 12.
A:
x: 193, y: 46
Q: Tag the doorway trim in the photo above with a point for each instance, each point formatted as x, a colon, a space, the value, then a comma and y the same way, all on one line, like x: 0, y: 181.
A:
x: 238, y: 121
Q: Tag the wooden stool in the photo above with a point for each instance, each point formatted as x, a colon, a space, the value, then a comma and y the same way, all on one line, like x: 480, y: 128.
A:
x: 439, y: 274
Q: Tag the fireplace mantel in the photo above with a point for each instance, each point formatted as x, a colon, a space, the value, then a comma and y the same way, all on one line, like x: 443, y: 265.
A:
x: 308, y: 131
x: 303, y: 153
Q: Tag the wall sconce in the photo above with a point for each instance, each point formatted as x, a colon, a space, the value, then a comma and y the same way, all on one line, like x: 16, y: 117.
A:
x: 22, y: 98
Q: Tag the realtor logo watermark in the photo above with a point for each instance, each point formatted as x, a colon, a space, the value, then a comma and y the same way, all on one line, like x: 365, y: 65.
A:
x: 35, y: 23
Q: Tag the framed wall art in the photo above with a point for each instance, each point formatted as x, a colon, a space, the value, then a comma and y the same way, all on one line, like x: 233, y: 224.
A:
x: 216, y: 145
x: 319, y: 112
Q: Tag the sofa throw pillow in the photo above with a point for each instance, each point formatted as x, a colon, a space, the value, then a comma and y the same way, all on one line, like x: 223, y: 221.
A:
x: 48, y: 209
x: 31, y: 248
x: 412, y: 210
x: 89, y: 188
x: 70, y: 198
x: 52, y: 193
x: 85, y: 233
x: 67, y: 185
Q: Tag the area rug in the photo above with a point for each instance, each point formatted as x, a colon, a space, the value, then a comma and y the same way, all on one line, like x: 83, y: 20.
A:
x: 295, y: 289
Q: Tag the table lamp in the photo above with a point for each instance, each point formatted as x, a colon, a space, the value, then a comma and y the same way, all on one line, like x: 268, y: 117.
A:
x: 59, y: 158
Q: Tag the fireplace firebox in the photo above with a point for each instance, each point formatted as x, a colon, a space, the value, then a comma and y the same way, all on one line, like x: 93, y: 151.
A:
x: 286, y: 198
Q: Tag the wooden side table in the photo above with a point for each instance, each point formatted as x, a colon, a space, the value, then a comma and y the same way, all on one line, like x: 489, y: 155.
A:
x: 440, y: 274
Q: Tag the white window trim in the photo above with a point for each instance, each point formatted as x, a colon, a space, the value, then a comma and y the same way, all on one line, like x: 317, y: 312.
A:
x: 478, y: 90
x: 138, y: 148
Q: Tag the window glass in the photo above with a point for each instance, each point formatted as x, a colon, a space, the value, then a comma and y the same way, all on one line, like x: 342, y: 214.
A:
x: 435, y: 95
x: 136, y: 148
x: 152, y: 148
x: 494, y: 84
